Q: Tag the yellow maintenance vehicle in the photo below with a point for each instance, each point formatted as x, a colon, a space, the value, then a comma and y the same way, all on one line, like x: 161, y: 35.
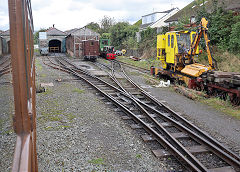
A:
x: 177, y: 51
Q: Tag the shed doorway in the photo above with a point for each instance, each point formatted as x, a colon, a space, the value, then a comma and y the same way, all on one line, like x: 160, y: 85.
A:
x: 54, y: 46
x: 8, y: 47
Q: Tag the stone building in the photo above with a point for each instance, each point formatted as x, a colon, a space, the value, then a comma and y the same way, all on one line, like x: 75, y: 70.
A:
x: 5, y: 40
x: 54, y: 40
x: 74, y: 40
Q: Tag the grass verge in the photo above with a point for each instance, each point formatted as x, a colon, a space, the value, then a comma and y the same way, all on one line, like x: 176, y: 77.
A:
x: 145, y: 63
x: 223, y: 106
x: 98, y: 161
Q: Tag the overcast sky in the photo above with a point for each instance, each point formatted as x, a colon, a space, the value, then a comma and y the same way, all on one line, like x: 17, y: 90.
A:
x: 68, y: 14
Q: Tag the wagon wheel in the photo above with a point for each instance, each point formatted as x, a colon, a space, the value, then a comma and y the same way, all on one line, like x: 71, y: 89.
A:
x: 235, y: 100
x: 223, y: 96
x: 212, y: 92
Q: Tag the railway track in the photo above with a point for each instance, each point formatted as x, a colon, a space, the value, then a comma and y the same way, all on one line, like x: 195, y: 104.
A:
x: 143, y: 70
x: 5, y: 65
x: 172, y: 135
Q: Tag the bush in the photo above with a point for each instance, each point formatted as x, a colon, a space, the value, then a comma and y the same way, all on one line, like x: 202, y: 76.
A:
x: 234, y: 43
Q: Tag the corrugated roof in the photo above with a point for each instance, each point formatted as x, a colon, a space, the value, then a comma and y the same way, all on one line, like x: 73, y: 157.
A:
x: 55, y: 32
x: 195, y: 6
x: 71, y: 31
x: 82, y: 31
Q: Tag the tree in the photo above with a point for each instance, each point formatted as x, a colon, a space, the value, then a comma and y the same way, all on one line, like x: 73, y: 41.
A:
x: 234, y: 43
x: 36, y: 35
x: 123, y: 35
x: 93, y: 26
x: 106, y: 23
x: 105, y: 36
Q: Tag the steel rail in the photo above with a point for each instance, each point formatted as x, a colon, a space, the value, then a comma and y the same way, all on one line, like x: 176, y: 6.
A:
x: 202, y: 136
x: 134, y: 67
x: 166, y: 117
x: 179, y: 154
x: 227, y: 158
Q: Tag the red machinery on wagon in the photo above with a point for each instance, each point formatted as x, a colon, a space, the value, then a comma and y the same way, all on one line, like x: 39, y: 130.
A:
x: 108, y: 52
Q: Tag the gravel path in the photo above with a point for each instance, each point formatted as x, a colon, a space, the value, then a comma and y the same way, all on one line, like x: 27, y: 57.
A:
x: 77, y: 131
x: 222, y: 127
x: 7, y: 135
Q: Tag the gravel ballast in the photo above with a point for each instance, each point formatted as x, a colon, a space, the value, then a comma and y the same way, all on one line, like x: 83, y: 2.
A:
x: 77, y: 131
x: 7, y: 135
x: 224, y: 128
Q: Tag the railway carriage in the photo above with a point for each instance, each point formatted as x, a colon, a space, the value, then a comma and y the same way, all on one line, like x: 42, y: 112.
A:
x: 90, y: 49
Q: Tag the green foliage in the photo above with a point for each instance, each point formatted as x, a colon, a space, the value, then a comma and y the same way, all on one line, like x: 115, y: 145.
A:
x: 105, y: 36
x: 98, y: 161
x: 122, y: 35
x: 148, y: 38
x: 106, y: 23
x: 138, y: 23
x: 182, y: 21
x: 77, y: 90
x: 130, y: 43
x: 36, y: 35
x: 220, y: 26
x: 223, y: 28
x: 234, y: 43
x: 93, y: 26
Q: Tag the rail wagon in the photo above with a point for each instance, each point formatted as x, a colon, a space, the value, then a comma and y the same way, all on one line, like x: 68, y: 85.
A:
x: 90, y: 49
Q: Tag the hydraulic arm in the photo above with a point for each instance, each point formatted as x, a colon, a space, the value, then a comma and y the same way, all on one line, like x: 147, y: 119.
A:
x: 202, y: 29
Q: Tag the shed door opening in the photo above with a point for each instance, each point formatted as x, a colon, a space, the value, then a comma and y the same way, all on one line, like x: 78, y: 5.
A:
x: 8, y: 47
x: 54, y: 46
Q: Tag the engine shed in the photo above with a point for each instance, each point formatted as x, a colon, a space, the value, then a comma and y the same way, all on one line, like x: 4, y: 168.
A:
x: 54, y: 40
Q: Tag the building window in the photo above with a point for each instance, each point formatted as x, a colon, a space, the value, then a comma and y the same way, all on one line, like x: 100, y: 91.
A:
x: 152, y: 18
x: 92, y: 43
x: 172, y: 41
x: 168, y: 40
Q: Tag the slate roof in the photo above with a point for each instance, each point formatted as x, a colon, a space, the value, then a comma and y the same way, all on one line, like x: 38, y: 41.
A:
x: 55, y: 32
x: 196, y: 5
x: 167, y: 11
x: 6, y: 33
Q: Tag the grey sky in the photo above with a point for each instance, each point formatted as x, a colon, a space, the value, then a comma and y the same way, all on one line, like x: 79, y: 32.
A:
x: 68, y: 14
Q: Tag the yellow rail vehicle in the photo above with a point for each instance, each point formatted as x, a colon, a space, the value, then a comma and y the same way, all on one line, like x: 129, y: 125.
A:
x: 178, y: 51
x: 171, y: 46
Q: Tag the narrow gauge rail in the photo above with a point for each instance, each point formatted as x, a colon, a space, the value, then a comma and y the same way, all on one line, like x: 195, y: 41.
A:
x: 5, y: 65
x: 156, y: 118
x: 143, y: 70
x: 213, y: 88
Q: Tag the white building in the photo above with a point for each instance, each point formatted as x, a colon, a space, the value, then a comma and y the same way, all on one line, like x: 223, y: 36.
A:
x: 156, y: 19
